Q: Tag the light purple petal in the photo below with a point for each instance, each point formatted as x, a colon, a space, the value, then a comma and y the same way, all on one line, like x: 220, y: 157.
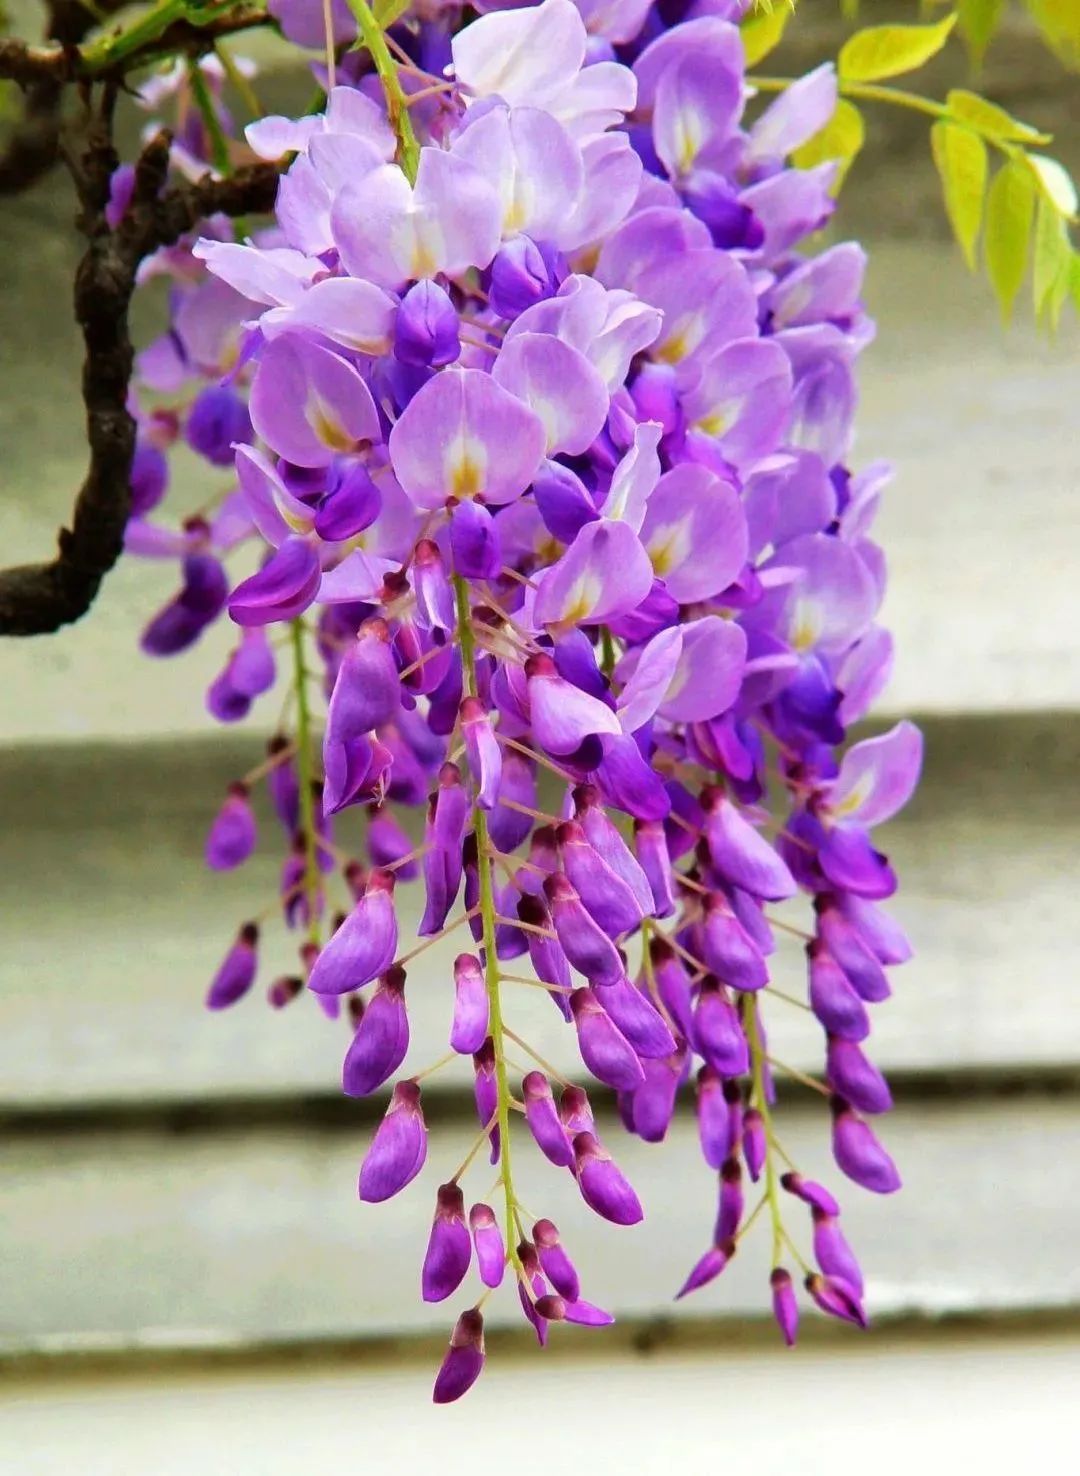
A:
x: 695, y: 533
x: 604, y: 573
x: 309, y: 405
x: 878, y: 776
x: 559, y: 385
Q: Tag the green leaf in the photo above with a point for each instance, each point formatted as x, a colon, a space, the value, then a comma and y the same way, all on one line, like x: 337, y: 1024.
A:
x: 841, y: 139
x: 1054, y: 183
x: 978, y: 20
x: 886, y: 51
x: 1059, y: 22
x: 990, y: 120
x: 1051, y: 263
x: 1010, y: 205
x: 962, y: 163
x: 761, y: 30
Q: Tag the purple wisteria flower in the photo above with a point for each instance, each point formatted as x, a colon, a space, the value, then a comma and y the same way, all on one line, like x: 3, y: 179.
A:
x: 538, y: 402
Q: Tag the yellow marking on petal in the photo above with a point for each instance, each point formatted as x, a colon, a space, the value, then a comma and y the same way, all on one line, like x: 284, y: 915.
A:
x: 713, y: 424
x: 329, y: 430
x: 466, y: 465
x: 805, y: 625
x: 683, y: 339
x: 855, y: 799
x: 669, y: 548
x: 689, y: 137
x: 294, y: 520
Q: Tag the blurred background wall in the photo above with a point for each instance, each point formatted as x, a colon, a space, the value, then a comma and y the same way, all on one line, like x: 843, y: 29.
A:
x: 187, y: 1282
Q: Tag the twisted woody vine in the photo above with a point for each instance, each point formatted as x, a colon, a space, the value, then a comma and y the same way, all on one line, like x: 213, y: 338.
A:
x: 529, y: 381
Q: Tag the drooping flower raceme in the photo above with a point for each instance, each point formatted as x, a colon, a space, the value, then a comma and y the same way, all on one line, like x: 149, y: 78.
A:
x: 541, y: 433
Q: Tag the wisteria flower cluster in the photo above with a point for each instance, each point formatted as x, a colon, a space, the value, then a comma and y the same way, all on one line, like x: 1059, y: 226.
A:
x: 539, y: 394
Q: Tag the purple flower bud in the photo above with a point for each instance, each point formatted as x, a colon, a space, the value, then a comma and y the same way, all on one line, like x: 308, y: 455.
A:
x: 852, y: 1075
x: 603, y: 1187
x: 434, y: 596
x: 464, y: 1361
x: 449, y: 1247
x: 283, y: 588
x: 604, y: 1049
x: 556, y: 1264
x: 653, y: 1104
x: 606, y: 897
x: 282, y: 783
x: 584, y: 942
x: 448, y: 812
x: 881, y: 934
x: 604, y: 837
x: 575, y: 1113
x: 836, y: 1298
x: 149, y: 478
x: 524, y: 272
x: 832, y: 998
x: 475, y: 546
x: 851, y: 863
x: 562, y: 501
x: 237, y: 972
x: 364, y: 946
x: 543, y: 1120
x: 398, y: 1149
x: 381, y: 1040
x: 352, y: 506
x: 487, y: 1238
x: 673, y: 986
x: 532, y: 1281
x: 509, y: 827
x: 785, y: 1306
x: 713, y: 1118
x: 718, y: 1031
x: 232, y: 835
x: 811, y: 1193
x: 585, y: 1314
x: 708, y: 1268
x: 546, y: 954
x: 482, y: 751
x: 283, y: 991
x: 562, y: 715
x: 740, y: 854
x: 842, y: 940
x: 755, y: 1145
x: 367, y: 694
x: 650, y: 843
x: 728, y: 948
x: 730, y: 1212
x: 486, y: 1093
x: 858, y: 1152
x: 217, y: 420
x: 470, y: 1026
x: 388, y: 843
x: 638, y: 1019
x: 832, y: 1251
x: 426, y: 329
x: 200, y: 600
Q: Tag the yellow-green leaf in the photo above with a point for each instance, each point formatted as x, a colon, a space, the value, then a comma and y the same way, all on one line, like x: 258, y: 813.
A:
x: 1054, y: 183
x: 886, y: 51
x: 978, y: 22
x: 962, y: 163
x: 1059, y: 21
x: 1051, y: 262
x: 1010, y: 204
x: 990, y: 120
x: 761, y: 30
x: 841, y: 139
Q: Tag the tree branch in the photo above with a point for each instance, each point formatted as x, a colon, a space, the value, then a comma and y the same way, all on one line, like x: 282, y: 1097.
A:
x: 38, y: 598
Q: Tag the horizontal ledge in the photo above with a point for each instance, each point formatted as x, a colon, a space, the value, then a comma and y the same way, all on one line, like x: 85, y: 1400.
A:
x: 331, y: 1112
x: 168, y: 1350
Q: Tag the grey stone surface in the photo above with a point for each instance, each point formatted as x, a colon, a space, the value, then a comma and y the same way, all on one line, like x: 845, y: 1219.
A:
x: 238, y: 1235
x: 1000, y: 1405
x: 113, y: 927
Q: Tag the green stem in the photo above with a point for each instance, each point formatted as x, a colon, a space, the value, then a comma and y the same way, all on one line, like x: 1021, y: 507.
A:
x: 306, y: 774
x: 109, y: 50
x: 397, y: 106
x: 864, y: 92
x: 200, y: 96
x: 607, y: 652
x: 496, y: 1028
x: 760, y: 1100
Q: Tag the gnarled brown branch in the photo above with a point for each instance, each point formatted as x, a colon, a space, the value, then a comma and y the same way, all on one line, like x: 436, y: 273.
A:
x: 38, y: 598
